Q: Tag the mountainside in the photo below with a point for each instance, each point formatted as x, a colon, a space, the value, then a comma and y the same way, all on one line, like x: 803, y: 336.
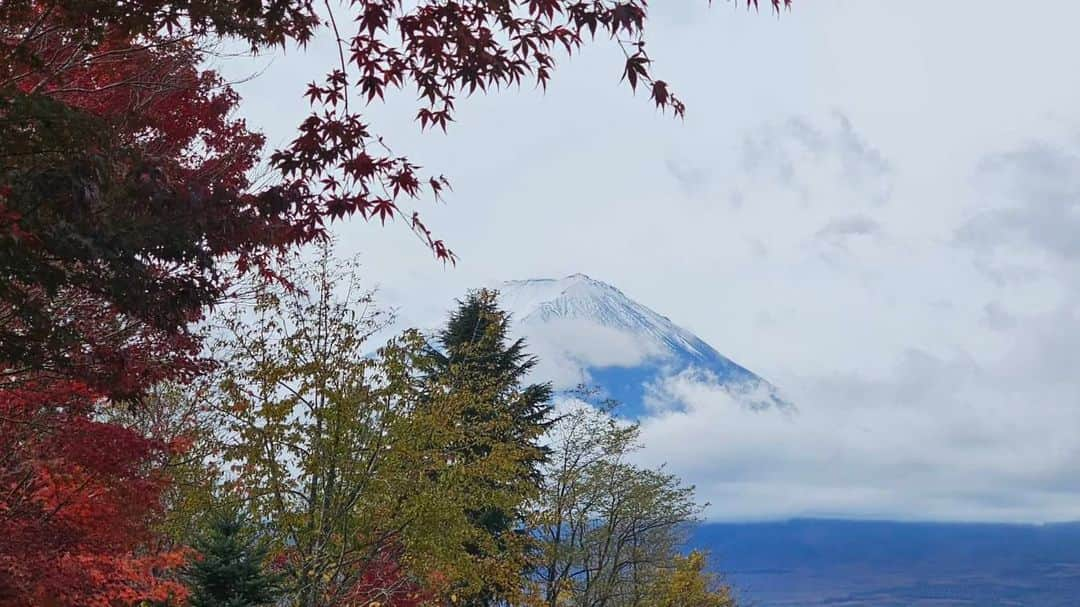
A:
x: 802, y: 563
x: 588, y: 332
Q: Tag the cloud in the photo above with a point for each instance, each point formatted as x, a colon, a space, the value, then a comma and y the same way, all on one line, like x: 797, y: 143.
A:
x: 841, y: 228
x: 565, y: 346
x: 997, y: 317
x: 791, y: 153
x: 936, y: 440
x: 862, y: 163
x: 976, y: 423
x: 933, y: 370
x: 1032, y: 199
x: 692, y: 180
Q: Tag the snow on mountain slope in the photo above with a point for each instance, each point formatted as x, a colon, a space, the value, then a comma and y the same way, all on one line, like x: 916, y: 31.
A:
x: 588, y: 332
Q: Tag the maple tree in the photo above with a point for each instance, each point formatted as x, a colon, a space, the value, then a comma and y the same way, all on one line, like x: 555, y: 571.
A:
x: 121, y: 184
x: 386, y: 583
x: 78, y: 499
x: 105, y: 260
x: 82, y: 493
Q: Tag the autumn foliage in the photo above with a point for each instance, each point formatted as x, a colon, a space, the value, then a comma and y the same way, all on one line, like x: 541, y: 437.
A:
x: 124, y: 181
x: 76, y: 502
x: 386, y: 583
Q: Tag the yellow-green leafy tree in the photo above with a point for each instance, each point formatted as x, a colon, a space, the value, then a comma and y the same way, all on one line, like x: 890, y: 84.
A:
x: 687, y: 583
x: 358, y: 462
x: 610, y: 530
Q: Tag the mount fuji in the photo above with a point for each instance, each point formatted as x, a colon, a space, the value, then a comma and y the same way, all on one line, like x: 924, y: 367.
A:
x: 587, y: 332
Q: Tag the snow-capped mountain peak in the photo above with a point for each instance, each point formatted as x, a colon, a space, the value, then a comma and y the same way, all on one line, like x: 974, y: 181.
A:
x: 587, y: 331
x: 579, y: 297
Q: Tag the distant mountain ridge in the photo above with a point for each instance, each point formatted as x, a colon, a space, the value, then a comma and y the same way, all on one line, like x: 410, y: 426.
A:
x: 587, y: 331
x: 850, y: 563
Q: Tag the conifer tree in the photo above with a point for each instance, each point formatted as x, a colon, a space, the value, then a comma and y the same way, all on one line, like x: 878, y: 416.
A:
x: 230, y: 572
x: 477, y: 362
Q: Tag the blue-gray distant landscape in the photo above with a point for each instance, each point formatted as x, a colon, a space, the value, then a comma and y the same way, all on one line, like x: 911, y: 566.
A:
x: 843, y: 563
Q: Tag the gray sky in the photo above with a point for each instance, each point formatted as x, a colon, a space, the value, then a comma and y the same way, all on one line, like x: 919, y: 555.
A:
x: 873, y: 204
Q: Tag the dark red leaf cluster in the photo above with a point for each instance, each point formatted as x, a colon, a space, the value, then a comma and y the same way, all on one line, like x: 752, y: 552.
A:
x: 124, y: 178
x: 385, y: 582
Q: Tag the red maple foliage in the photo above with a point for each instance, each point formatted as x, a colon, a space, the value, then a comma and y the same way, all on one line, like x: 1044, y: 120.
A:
x: 442, y: 50
x: 77, y: 497
x: 77, y: 494
x: 386, y: 583
x: 126, y: 180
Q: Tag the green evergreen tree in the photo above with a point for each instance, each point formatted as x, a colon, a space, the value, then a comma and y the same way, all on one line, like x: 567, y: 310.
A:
x: 478, y: 361
x: 230, y: 572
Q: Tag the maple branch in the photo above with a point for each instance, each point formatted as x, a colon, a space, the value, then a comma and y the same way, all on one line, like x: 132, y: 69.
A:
x: 53, y: 73
x: 341, y: 52
x: 31, y: 31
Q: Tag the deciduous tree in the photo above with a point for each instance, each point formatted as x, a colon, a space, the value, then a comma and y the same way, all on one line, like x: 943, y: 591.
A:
x: 687, y: 583
x: 79, y: 497
x: 609, y: 529
x: 123, y: 180
x: 82, y: 490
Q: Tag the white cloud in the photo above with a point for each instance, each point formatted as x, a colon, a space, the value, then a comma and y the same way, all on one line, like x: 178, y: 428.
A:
x: 797, y: 152
x: 940, y: 440
x: 593, y: 346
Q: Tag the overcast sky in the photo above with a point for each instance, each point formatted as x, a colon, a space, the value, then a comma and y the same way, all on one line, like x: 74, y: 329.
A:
x: 874, y: 204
